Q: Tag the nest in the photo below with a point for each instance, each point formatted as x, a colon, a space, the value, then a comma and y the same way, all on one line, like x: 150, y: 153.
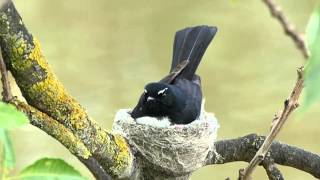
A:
x: 175, y: 148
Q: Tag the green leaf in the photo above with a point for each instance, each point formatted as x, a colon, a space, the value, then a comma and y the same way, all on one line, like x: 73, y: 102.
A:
x: 50, y: 169
x: 9, y: 158
x: 10, y: 117
x: 312, y: 72
x: 313, y: 27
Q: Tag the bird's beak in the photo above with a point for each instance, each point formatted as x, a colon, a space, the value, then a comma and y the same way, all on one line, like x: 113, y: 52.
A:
x: 136, y: 113
x: 150, y: 98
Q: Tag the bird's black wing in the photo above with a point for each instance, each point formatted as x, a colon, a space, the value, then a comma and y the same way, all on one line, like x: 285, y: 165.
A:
x: 175, y: 72
x: 191, y: 96
x: 190, y: 44
x: 180, y: 40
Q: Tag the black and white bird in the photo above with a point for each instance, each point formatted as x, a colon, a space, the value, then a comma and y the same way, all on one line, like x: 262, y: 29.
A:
x: 178, y: 95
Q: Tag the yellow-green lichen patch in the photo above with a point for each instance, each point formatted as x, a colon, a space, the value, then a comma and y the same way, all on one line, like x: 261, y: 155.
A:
x: 52, y: 97
x: 35, y: 78
x: 42, y: 90
x: 78, y: 117
x: 114, y: 151
x: 56, y: 130
x: 18, y: 48
x: 123, y: 153
x: 37, y: 55
x: 122, y: 157
x: 101, y: 137
x: 65, y: 137
x: 46, y: 92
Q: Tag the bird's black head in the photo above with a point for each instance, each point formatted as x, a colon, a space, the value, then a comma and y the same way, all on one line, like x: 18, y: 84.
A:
x: 157, y: 100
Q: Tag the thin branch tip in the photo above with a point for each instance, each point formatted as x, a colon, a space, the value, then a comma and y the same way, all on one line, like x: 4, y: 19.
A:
x: 289, y: 29
x: 300, y: 72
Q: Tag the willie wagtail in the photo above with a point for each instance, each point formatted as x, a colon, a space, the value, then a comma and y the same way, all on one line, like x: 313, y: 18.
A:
x: 178, y: 96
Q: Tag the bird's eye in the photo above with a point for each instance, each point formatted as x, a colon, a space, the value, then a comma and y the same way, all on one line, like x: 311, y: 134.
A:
x: 162, y: 92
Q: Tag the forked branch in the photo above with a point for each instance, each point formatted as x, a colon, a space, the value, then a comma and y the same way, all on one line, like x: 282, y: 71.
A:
x: 292, y: 102
x: 288, y: 28
x: 289, y: 105
x: 245, y: 148
x: 46, y: 94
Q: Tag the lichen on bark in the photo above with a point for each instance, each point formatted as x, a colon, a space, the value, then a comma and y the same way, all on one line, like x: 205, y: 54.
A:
x: 54, y: 129
x: 42, y: 90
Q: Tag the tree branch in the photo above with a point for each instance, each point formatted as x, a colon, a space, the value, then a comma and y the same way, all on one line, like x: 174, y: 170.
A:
x: 43, y: 91
x: 245, y: 148
x: 271, y: 169
x: 289, y: 105
x: 64, y: 136
x: 52, y: 128
x: 288, y: 28
x: 96, y: 169
x: 6, y: 93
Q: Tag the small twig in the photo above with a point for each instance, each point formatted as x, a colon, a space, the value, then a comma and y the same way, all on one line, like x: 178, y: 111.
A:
x: 289, y: 29
x: 289, y: 105
x: 6, y: 93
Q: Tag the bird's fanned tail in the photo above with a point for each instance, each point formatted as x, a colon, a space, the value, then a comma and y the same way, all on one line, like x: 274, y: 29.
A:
x: 190, y: 44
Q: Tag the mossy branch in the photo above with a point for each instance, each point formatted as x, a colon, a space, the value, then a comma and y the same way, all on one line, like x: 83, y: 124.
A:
x: 63, y: 135
x: 43, y: 91
x: 54, y: 129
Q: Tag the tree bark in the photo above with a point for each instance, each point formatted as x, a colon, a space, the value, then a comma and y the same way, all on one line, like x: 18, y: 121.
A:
x: 244, y: 149
x: 43, y: 91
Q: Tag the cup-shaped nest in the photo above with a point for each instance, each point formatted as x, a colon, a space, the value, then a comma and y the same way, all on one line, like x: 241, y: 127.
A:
x: 174, y: 148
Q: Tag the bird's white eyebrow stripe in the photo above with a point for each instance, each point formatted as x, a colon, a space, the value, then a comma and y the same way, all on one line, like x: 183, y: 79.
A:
x: 162, y: 91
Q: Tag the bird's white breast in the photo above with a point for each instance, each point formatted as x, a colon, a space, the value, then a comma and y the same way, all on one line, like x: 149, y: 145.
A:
x: 151, y: 121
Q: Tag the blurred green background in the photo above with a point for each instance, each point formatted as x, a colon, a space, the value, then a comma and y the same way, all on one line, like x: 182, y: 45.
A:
x: 104, y: 51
